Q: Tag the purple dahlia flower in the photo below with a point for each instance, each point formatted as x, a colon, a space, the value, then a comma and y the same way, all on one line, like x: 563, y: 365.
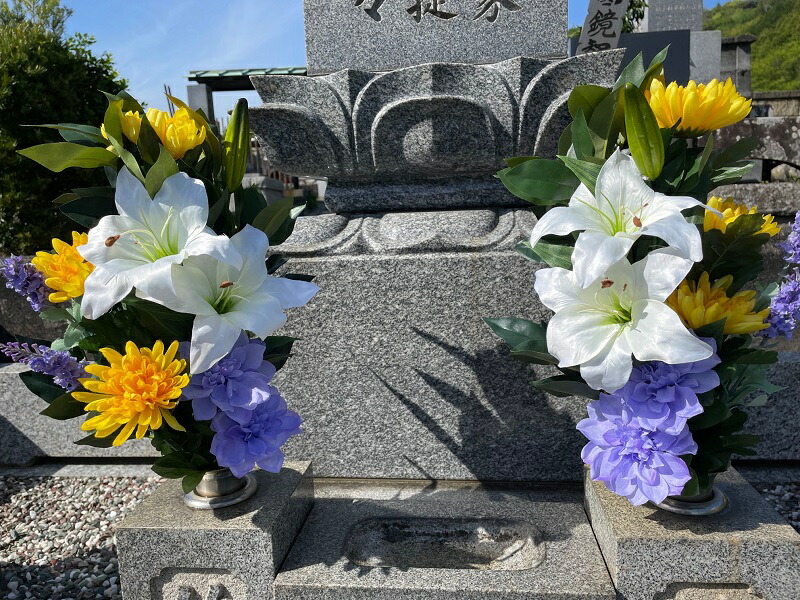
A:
x: 665, y: 396
x: 64, y: 368
x: 241, y: 446
x: 631, y: 458
x: 235, y: 385
x: 26, y: 280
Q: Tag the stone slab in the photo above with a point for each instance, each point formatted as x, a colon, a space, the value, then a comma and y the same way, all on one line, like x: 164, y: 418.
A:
x: 778, y: 198
x: 318, y: 567
x: 779, y: 137
x: 168, y: 551
x: 670, y: 15
x: 375, y: 35
x: 18, y: 318
x: 655, y: 555
x: 705, y: 55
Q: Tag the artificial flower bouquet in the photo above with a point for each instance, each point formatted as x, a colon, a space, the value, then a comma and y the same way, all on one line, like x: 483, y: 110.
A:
x: 169, y: 300
x: 658, y: 317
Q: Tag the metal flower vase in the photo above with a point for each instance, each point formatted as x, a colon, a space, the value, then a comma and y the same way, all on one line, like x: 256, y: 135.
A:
x: 219, y: 489
x: 709, y: 501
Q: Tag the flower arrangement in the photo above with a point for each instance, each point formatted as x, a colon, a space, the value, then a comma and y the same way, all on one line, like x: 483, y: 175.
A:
x: 657, y: 315
x: 170, y: 300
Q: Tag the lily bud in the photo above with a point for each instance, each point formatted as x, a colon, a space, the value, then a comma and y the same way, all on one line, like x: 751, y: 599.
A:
x: 237, y: 146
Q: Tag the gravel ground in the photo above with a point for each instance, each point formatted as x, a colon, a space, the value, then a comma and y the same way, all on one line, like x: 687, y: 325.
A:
x: 57, y: 532
x: 56, y: 535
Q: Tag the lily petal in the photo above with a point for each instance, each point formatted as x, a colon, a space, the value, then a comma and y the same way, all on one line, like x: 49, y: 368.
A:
x: 657, y: 333
x: 576, y: 334
x: 561, y: 221
x: 611, y: 368
x: 678, y: 233
x: 595, y: 252
x: 212, y: 338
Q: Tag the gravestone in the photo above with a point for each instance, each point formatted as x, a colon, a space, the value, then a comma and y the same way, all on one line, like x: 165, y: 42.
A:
x: 672, y: 15
x: 603, y: 25
x: 380, y: 35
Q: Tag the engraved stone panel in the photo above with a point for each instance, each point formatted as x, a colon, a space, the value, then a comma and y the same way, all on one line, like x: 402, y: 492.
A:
x: 670, y: 15
x: 380, y: 35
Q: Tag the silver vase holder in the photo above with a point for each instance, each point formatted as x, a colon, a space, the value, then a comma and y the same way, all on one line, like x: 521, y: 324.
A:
x: 710, y: 502
x: 219, y: 489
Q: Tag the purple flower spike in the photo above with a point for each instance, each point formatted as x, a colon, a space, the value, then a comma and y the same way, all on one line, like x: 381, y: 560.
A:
x: 784, y: 314
x: 236, y: 385
x: 64, y: 368
x: 664, y: 396
x: 26, y: 280
x: 792, y: 244
x: 631, y: 458
x: 241, y: 446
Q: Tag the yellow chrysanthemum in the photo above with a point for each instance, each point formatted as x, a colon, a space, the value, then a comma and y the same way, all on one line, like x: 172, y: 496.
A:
x: 730, y: 212
x: 699, y: 303
x: 179, y: 133
x: 131, y: 123
x: 65, y: 271
x: 137, y: 390
x: 700, y: 107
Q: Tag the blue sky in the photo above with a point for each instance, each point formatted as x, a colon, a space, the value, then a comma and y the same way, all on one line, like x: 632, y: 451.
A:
x: 157, y: 42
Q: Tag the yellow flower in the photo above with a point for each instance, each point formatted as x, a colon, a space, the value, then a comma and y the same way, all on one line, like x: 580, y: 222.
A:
x: 131, y: 125
x: 138, y: 390
x: 730, y: 212
x: 179, y: 133
x: 699, y: 303
x: 700, y: 107
x: 65, y: 271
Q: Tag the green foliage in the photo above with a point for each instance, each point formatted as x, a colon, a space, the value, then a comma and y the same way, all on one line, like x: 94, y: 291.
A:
x: 44, y: 78
x: 776, y: 52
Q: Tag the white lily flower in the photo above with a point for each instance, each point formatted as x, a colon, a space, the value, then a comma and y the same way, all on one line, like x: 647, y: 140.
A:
x: 620, y: 314
x: 622, y: 209
x: 147, y: 237
x: 227, y: 299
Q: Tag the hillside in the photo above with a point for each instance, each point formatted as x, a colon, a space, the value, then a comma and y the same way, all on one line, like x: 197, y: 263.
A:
x: 776, y: 24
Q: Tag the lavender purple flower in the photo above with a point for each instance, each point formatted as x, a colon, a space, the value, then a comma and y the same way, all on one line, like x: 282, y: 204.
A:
x: 64, y: 368
x: 664, y: 396
x: 26, y: 280
x: 235, y: 385
x: 241, y: 446
x: 784, y: 315
x: 630, y: 457
x: 792, y: 244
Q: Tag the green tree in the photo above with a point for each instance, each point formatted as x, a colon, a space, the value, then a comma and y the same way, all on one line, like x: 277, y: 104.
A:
x: 45, y: 77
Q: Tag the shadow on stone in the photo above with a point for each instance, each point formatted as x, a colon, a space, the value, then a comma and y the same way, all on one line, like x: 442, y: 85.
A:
x: 15, y: 447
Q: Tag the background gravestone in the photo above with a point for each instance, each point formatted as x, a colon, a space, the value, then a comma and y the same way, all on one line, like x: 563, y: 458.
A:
x: 672, y: 15
x: 379, y: 35
x: 603, y: 25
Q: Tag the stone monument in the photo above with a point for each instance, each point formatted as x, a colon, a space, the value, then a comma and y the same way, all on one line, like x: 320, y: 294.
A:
x: 398, y: 380
x: 672, y: 15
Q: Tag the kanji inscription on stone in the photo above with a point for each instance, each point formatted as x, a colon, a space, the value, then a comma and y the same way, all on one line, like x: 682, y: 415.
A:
x: 435, y: 8
x: 603, y: 25
x: 490, y: 9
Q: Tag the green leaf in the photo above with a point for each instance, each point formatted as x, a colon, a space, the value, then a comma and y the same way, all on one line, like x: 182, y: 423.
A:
x: 644, y: 134
x: 655, y: 69
x: 555, y: 255
x: 736, y: 152
x: 74, y: 132
x: 586, y: 98
x: 88, y: 211
x: 754, y: 356
x: 525, y: 249
x: 587, y: 172
x: 96, y: 442
x: 236, y: 148
x: 164, y: 167
x: 271, y: 218
x: 56, y: 314
x: 41, y: 385
x: 713, y: 330
x: 563, y: 386
x: 191, y: 481
x: 252, y: 202
x: 64, y: 407
x: 633, y: 73
x: 518, y: 160
x: 63, y: 155
x: 148, y: 142
x: 582, y: 141
x: 535, y: 352
x: 540, y: 181
x: 517, y: 331
x: 608, y: 121
x: 127, y: 158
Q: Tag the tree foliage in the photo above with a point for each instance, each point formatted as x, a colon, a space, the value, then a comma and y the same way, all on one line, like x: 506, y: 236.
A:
x: 45, y: 77
x: 776, y: 52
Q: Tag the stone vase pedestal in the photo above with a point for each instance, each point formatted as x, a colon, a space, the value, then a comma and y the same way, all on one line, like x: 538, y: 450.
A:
x: 748, y: 551
x: 167, y: 551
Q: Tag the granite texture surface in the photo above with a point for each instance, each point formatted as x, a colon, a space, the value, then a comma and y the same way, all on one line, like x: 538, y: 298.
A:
x: 705, y: 50
x: 318, y: 566
x: 432, y: 134
x: 668, y: 15
x: 779, y: 198
x: 749, y: 546
x: 779, y: 137
x: 18, y: 318
x: 168, y: 551
x: 375, y: 35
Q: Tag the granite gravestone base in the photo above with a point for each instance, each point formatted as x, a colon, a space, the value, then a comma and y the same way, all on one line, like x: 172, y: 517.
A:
x: 748, y: 550
x: 168, y: 551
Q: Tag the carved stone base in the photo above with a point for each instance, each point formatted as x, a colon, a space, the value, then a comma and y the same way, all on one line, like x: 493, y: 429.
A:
x: 747, y: 552
x: 168, y: 551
